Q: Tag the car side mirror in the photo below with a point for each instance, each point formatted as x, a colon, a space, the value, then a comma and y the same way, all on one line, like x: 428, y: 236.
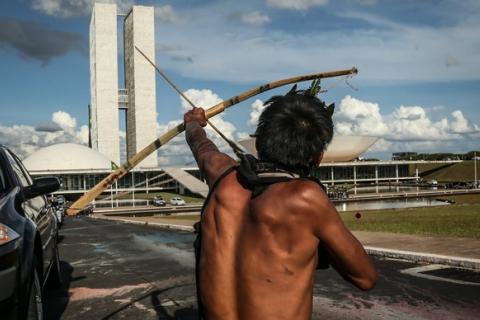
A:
x: 40, y: 186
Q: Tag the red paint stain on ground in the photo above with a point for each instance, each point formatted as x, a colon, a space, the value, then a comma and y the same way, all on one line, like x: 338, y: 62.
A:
x: 84, y: 293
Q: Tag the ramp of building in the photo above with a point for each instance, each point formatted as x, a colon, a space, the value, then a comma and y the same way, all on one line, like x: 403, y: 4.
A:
x: 187, y: 180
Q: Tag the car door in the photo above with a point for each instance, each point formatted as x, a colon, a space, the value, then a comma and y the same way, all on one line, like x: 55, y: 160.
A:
x: 38, y: 210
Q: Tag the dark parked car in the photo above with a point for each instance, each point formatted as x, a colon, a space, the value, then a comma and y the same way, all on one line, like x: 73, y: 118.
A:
x: 29, y: 257
x: 59, y: 205
x: 158, y: 201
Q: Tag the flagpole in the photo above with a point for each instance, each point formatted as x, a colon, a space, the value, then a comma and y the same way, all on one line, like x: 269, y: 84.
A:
x: 475, y: 165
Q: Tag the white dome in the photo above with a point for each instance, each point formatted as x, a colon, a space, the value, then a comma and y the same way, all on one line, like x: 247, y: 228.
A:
x: 66, y: 156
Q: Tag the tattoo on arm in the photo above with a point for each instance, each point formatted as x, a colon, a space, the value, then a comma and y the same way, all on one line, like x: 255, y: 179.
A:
x: 199, y: 143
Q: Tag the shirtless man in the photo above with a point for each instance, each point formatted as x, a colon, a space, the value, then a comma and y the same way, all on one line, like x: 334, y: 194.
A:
x: 258, y: 253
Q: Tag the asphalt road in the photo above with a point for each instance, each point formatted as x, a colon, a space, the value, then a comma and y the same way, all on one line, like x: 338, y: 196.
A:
x: 124, y: 271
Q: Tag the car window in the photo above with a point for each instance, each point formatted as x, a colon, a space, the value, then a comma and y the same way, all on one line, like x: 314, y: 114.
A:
x: 24, y: 170
x: 17, y: 168
x: 34, y: 207
x: 3, y: 181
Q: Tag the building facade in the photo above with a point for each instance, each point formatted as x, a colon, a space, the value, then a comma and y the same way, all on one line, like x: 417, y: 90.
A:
x: 140, y: 82
x: 104, y: 117
x: 137, y: 97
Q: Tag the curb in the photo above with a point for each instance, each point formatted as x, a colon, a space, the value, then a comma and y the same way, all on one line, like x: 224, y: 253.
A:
x: 422, y: 257
x: 458, y: 262
x: 145, y: 223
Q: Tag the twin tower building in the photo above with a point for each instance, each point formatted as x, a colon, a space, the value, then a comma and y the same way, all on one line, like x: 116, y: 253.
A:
x: 136, y: 95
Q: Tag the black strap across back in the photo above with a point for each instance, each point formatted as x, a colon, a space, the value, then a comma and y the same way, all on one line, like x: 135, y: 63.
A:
x: 259, y: 175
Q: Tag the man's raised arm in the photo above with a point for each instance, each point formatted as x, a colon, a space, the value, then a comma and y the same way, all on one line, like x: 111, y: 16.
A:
x: 211, y: 162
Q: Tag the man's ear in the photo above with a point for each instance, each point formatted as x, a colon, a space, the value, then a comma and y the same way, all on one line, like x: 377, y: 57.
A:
x: 320, y: 157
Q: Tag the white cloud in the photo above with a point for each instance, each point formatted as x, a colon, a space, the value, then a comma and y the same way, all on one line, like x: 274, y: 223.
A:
x: 407, y: 128
x: 202, y: 98
x: 243, y: 135
x: 23, y: 140
x: 356, y: 116
x: 73, y: 8
x: 296, y: 4
x: 82, y: 135
x: 411, y: 123
x: 256, y: 109
x: 177, y: 152
x: 254, y: 18
x: 386, y: 50
x: 205, y: 99
x: 368, y: 2
x: 451, y: 61
x: 64, y: 120
x: 381, y: 145
x: 166, y: 14
x: 462, y: 125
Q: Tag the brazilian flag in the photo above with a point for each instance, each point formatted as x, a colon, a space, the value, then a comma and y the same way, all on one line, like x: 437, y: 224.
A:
x: 114, y: 166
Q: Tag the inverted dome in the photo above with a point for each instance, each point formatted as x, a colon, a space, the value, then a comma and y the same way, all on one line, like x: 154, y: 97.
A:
x: 347, y: 148
x: 66, y: 156
x: 342, y: 148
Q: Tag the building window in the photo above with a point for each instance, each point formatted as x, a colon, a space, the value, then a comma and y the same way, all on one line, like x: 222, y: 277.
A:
x: 343, y: 173
x: 366, y: 172
x: 387, y: 171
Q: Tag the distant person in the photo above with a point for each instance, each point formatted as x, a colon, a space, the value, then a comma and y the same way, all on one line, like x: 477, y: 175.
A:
x: 265, y: 225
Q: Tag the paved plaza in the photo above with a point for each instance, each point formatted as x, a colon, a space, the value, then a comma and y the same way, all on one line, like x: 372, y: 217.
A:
x: 114, y: 270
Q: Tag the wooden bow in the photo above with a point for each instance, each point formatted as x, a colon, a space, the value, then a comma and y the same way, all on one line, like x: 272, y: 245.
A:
x: 80, y: 204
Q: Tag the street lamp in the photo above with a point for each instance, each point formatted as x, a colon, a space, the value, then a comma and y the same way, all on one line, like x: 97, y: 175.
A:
x: 475, y: 166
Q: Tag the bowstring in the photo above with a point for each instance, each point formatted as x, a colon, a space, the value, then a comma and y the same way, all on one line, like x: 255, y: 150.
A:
x: 337, y: 82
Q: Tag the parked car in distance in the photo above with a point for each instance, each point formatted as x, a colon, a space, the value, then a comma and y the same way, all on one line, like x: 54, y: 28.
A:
x: 158, y: 201
x: 88, y: 209
x: 60, y: 200
x: 60, y: 206
x: 28, y: 240
x: 177, y: 201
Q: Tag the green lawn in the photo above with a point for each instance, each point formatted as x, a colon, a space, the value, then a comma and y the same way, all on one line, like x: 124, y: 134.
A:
x: 463, y: 199
x: 462, y: 171
x: 454, y: 221
x: 459, y: 220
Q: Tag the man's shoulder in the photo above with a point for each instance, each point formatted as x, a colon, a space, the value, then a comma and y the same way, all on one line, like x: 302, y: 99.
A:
x: 307, y: 188
x: 309, y: 195
x: 217, y: 165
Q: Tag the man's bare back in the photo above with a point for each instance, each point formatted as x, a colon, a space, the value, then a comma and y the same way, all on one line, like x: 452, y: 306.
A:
x: 258, y: 255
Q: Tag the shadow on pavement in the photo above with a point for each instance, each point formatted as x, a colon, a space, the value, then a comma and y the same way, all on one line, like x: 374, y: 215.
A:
x: 60, y: 238
x: 188, y: 313
x: 56, y: 300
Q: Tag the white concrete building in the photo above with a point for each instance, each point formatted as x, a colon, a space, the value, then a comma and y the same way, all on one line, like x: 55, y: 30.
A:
x: 104, y: 119
x: 138, y: 97
x: 139, y: 31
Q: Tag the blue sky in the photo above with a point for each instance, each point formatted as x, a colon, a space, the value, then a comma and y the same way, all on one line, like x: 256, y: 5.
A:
x: 419, y: 63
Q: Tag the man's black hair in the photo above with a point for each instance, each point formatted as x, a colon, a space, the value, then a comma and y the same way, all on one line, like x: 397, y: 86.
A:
x: 293, y: 130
